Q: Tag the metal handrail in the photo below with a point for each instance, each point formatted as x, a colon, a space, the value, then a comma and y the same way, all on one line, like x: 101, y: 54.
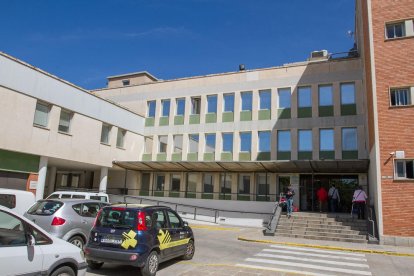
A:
x: 370, y: 219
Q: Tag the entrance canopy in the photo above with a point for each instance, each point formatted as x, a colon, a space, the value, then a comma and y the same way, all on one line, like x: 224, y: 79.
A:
x: 288, y: 166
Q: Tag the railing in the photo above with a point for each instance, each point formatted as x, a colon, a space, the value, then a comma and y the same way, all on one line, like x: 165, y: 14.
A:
x: 273, y: 221
x: 371, y: 222
x: 341, y: 55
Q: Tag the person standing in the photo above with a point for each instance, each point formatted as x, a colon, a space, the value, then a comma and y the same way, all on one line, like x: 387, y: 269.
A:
x: 322, y: 197
x: 359, y: 200
x: 334, y: 198
x: 289, y: 193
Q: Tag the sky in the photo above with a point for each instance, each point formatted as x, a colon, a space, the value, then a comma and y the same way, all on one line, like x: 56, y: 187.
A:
x: 85, y: 41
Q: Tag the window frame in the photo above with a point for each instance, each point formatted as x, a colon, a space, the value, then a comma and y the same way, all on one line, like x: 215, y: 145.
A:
x: 227, y: 134
x: 284, y: 90
x: 341, y: 92
x: 320, y: 139
x: 195, y: 105
x: 161, y: 144
x: 278, y: 140
x: 195, y: 141
x: 269, y: 103
x: 331, y: 91
x: 243, y: 104
x: 164, y: 107
x: 300, y: 140
x: 151, y: 108
x: 232, y: 96
x: 36, y: 114
x: 70, y: 115
x: 177, y: 101
x: 249, y: 133
x: 393, y: 25
x: 206, y: 145
x: 356, y: 138
x: 399, y: 90
x: 302, y: 89
x: 109, y: 127
x: 120, y: 143
x: 260, y: 141
x: 404, y: 162
x: 209, y: 104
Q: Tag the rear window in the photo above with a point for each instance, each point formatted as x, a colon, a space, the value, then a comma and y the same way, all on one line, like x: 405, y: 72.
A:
x: 78, y: 196
x: 100, y: 198
x: 45, y: 208
x: 53, y: 196
x: 8, y: 201
x: 117, y: 218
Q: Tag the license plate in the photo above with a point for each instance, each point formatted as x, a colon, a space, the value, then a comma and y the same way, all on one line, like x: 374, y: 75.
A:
x: 111, y: 239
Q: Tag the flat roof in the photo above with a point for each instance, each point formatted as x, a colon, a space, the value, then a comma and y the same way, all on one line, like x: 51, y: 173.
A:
x: 133, y: 74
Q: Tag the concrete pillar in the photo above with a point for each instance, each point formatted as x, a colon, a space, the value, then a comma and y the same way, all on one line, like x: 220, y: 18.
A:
x: 52, y: 180
x: 40, y: 189
x: 103, y: 179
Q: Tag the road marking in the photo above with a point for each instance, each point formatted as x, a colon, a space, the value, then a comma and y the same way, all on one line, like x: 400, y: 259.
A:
x: 298, y: 272
x: 313, y: 255
x: 317, y: 250
x: 206, y: 227
x: 311, y: 266
x: 292, y: 258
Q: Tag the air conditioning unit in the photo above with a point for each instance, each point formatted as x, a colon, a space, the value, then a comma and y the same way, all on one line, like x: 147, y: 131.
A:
x: 322, y: 54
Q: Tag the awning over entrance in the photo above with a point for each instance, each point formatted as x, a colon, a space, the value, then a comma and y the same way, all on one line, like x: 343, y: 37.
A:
x: 289, y: 166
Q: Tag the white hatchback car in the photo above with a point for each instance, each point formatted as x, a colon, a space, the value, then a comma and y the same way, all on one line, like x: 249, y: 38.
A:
x: 25, y: 249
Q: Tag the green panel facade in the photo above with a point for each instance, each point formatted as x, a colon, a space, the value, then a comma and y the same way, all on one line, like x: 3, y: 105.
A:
x: 243, y: 197
x: 304, y: 112
x: 350, y: 154
x: 144, y: 193
x: 177, y: 156
x: 262, y: 198
x: 174, y: 194
x: 211, y: 118
x: 263, y: 156
x: 147, y: 157
x: 193, y: 156
x: 326, y: 154
x: 178, y: 120
x: 164, y: 121
x: 283, y: 113
x: 19, y: 162
x: 326, y: 111
x: 348, y: 109
x: 191, y: 195
x: 228, y: 117
x: 304, y: 155
x: 225, y: 197
x: 194, y: 119
x: 245, y: 156
x: 208, y: 156
x: 245, y: 116
x: 264, y: 114
x: 149, y: 122
x: 207, y: 196
x: 159, y: 193
x: 283, y: 155
x: 161, y: 157
x: 227, y: 156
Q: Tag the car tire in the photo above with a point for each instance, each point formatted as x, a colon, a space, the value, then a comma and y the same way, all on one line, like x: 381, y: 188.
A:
x: 63, y: 271
x: 189, y: 251
x: 94, y: 265
x: 78, y: 241
x: 151, y: 264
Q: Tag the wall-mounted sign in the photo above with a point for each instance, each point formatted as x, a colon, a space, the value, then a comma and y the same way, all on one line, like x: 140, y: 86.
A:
x: 33, y: 185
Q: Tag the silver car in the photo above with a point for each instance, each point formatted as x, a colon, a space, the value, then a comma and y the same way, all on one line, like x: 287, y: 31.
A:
x: 68, y: 219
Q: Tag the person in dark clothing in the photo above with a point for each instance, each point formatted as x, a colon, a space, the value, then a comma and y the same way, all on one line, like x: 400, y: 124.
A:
x: 289, y: 193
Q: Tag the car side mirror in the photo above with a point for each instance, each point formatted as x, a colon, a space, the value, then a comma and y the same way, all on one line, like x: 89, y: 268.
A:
x: 185, y: 223
x: 31, y: 241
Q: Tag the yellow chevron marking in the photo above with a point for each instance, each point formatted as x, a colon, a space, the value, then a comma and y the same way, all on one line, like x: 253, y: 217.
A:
x: 165, y: 240
x: 129, y: 240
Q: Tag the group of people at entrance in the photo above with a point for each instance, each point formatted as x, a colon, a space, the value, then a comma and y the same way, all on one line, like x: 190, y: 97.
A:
x: 332, y: 197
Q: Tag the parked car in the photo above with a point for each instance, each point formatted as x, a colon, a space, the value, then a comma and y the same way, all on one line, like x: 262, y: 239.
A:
x: 26, y: 249
x: 17, y: 200
x: 138, y: 235
x: 80, y: 195
x: 68, y: 219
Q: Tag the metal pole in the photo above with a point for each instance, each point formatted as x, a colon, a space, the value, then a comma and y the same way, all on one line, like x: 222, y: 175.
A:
x: 125, y: 181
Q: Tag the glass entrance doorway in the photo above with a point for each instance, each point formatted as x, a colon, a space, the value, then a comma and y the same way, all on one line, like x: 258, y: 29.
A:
x: 346, y: 185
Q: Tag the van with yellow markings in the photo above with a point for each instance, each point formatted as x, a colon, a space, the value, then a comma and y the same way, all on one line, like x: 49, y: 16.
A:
x: 138, y: 235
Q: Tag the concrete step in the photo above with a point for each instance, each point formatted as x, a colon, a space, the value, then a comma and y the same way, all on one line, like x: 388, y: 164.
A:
x: 319, y: 225
x: 320, y: 237
x: 317, y: 229
x: 324, y: 221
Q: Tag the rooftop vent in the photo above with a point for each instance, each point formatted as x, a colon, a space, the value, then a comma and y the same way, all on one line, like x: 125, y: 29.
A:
x: 241, y: 67
x: 322, y: 54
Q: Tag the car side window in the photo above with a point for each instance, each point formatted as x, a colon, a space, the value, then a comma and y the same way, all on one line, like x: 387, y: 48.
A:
x: 66, y: 196
x: 175, y: 221
x: 90, y: 210
x: 158, y: 219
x: 78, y: 196
x: 77, y: 208
x: 11, y: 231
x: 8, y: 201
x: 40, y: 238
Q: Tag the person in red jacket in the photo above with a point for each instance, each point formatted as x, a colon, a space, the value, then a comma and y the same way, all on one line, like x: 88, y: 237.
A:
x: 322, y: 196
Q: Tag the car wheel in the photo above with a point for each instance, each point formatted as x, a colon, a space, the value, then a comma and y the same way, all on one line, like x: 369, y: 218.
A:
x: 78, y: 241
x: 189, y: 252
x: 63, y: 271
x: 151, y: 264
x: 94, y: 265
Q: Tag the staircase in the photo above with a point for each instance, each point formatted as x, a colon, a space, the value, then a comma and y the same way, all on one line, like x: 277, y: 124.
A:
x: 323, y: 226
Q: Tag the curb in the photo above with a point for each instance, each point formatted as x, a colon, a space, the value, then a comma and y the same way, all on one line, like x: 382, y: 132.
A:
x: 207, y: 227
x: 369, y: 251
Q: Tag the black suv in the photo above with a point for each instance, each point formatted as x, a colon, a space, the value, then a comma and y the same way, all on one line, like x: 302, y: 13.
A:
x: 138, y: 235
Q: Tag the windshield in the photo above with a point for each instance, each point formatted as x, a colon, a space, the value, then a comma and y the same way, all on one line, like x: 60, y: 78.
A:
x: 45, y: 207
x: 117, y: 218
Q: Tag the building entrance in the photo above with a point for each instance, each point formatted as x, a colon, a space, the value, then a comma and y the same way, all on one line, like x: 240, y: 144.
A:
x: 346, y: 185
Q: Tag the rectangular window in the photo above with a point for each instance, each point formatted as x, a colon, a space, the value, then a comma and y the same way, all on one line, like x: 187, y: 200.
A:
x: 160, y: 182
x: 326, y: 140
x: 193, y: 143
x: 41, y: 114
x: 244, y: 184
x: 400, y: 96
x: 195, y: 105
x: 305, y: 96
x: 151, y: 109
x: 212, y: 104
x: 265, y: 99
x: 284, y: 97
x: 105, y: 133
x: 225, y: 183
x: 349, y: 139
x: 125, y: 82
x: 347, y: 93
x: 305, y: 140
x: 283, y: 140
x: 165, y: 105
x: 245, y: 141
x: 163, y: 141
x: 395, y: 30
x: 120, y: 138
x: 264, y: 141
x: 175, y: 182
x: 64, y: 121
x: 192, y: 182
x: 208, y: 183
x: 404, y: 169
x: 210, y: 142
x: 148, y: 144
x: 178, y: 143
x: 246, y: 101
x: 263, y: 183
x: 228, y: 102
x: 180, y: 106
x: 227, y: 142
x: 325, y: 95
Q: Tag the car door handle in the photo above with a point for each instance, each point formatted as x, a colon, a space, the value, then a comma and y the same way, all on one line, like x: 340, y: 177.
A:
x: 84, y: 222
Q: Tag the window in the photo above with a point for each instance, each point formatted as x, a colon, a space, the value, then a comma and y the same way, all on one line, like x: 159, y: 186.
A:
x: 12, y: 231
x: 283, y: 140
x: 160, y: 182
x: 326, y: 140
x: 195, y: 105
x: 151, y: 109
x: 284, y: 97
x: 125, y: 82
x: 265, y: 99
x: 193, y: 143
x: 210, y: 142
x: 178, y: 143
x: 8, y: 200
x: 163, y: 141
x: 148, y: 144
x: 400, y: 96
x: 41, y: 114
x: 349, y: 139
x: 120, y: 138
x: 175, y: 182
x: 246, y: 101
x: 165, y: 105
x: 145, y: 182
x: 227, y: 142
x: 180, y: 106
x: 244, y: 184
x: 228, y: 102
x: 64, y: 121
x: 264, y: 141
x: 90, y: 209
x: 325, y: 95
x: 192, y: 179
x: 347, y: 93
x: 245, y: 141
x: 305, y: 140
x: 395, y: 30
x: 174, y: 220
x: 212, y: 104
x: 404, y: 169
x: 225, y: 183
x: 263, y: 181
x: 105, y: 133
x: 208, y: 182
x: 305, y: 96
